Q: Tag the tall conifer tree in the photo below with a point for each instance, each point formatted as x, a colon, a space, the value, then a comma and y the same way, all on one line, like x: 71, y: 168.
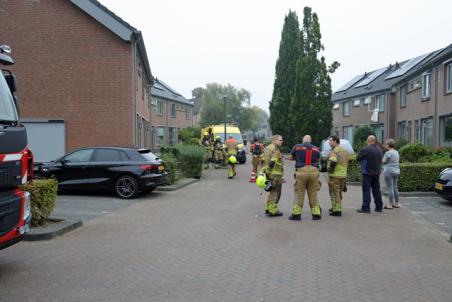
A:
x: 311, y: 105
x: 284, y: 85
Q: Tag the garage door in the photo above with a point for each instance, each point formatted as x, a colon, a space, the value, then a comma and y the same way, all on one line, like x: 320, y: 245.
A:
x: 46, y: 138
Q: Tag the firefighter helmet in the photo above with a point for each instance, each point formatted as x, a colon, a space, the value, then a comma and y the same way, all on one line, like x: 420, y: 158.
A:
x: 232, y: 159
x: 261, y: 181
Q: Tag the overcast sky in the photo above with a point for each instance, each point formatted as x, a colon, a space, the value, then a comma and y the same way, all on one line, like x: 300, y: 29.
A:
x: 192, y: 43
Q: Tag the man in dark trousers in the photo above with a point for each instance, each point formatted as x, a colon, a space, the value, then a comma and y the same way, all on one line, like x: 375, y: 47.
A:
x: 370, y: 158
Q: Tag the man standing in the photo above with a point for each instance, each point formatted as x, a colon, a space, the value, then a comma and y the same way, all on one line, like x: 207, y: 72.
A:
x: 274, y: 170
x: 231, y: 149
x: 205, y: 141
x: 337, y: 173
x: 370, y: 158
x: 306, y: 158
x: 218, y: 152
x: 256, y: 150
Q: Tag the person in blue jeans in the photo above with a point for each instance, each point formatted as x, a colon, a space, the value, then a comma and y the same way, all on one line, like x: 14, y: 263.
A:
x: 371, y: 159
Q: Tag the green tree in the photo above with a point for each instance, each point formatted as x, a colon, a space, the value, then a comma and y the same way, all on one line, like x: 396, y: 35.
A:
x: 284, y: 85
x: 237, y: 100
x: 311, y: 105
x: 360, y: 137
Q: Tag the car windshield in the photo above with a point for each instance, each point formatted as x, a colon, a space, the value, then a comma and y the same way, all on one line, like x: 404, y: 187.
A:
x: 8, y: 110
x: 236, y: 136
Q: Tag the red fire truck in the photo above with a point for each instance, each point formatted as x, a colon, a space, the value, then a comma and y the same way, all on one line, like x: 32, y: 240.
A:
x: 16, y: 160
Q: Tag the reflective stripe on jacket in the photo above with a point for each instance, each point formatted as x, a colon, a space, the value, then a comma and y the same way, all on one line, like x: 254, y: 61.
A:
x: 340, y: 155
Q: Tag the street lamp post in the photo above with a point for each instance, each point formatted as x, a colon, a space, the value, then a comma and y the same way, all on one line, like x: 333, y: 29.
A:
x: 225, y: 117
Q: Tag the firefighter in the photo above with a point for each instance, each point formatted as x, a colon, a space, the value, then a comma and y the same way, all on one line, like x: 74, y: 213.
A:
x: 205, y: 141
x: 306, y: 158
x: 218, y: 151
x: 256, y: 150
x: 231, y: 146
x: 274, y: 171
x: 337, y: 172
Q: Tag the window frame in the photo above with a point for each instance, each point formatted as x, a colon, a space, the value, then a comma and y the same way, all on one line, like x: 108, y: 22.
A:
x: 346, y: 105
x: 426, y: 86
x: 159, y: 109
x: 403, y: 96
x: 448, y: 78
x: 158, y: 135
x: 173, y: 110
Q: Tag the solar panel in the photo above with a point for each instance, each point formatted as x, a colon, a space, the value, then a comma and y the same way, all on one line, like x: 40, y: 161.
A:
x: 406, y: 67
x: 368, y: 79
x: 350, y: 83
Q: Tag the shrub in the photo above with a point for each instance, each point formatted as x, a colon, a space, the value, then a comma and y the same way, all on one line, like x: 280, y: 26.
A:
x: 419, y: 176
x: 400, y: 143
x: 170, y: 166
x: 168, y: 149
x: 191, y: 158
x: 360, y: 136
x: 190, y: 135
x: 43, y: 196
x: 354, y: 170
x: 413, y: 152
x: 285, y: 149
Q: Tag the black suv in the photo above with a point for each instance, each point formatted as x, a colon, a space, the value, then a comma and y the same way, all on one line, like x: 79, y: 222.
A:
x: 126, y: 171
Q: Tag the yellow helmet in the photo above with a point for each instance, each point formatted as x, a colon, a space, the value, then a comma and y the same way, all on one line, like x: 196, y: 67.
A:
x: 218, y: 137
x: 232, y: 159
x: 261, y: 181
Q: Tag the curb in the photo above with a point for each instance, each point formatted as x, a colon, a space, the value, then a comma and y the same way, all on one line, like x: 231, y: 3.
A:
x: 178, y: 185
x: 57, y: 228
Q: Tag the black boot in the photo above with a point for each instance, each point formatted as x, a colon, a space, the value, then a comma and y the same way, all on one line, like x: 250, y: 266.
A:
x: 277, y: 214
x: 316, y: 217
x: 336, y: 213
x: 295, y: 217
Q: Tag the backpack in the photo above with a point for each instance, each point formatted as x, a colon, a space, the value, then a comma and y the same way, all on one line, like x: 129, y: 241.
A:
x: 257, y: 150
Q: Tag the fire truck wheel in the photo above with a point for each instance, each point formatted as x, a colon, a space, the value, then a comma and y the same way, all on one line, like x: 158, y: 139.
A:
x: 126, y: 187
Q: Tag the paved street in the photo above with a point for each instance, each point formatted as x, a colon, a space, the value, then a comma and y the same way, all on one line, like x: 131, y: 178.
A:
x: 212, y: 242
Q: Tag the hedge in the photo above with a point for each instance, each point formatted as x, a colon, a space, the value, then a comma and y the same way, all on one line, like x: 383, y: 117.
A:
x: 43, y: 196
x: 190, y: 159
x: 170, y: 166
x: 414, y: 177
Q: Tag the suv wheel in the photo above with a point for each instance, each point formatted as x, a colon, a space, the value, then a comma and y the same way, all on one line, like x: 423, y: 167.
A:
x: 126, y: 187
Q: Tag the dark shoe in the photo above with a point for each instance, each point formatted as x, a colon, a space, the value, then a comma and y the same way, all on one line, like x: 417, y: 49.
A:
x: 336, y: 213
x: 316, y: 217
x: 330, y: 210
x: 379, y: 210
x: 363, y: 211
x: 275, y: 215
x: 295, y: 217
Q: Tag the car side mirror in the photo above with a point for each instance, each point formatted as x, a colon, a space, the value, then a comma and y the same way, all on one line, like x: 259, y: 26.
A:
x: 64, y: 161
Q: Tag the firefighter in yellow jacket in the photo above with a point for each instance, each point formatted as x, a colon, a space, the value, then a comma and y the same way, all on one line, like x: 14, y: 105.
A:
x: 231, y: 146
x: 337, y: 172
x: 207, y: 144
x: 274, y: 170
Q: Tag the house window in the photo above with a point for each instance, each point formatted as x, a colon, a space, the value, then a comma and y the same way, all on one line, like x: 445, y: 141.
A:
x: 172, y: 136
x: 336, y: 106
x: 408, y: 131
x: 402, y: 130
x: 159, y: 107
x: 380, y: 102
x: 188, y: 113
x: 367, y: 100
x: 425, y: 85
x: 417, y: 125
x: 160, y: 135
x: 402, y: 93
x: 173, y: 110
x: 427, y: 131
x: 379, y: 132
x: 446, y: 131
x: 448, y: 77
x: 348, y: 133
x: 356, y: 103
x: 346, y: 108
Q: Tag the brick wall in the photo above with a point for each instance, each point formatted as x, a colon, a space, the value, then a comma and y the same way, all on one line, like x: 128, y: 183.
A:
x: 69, y: 66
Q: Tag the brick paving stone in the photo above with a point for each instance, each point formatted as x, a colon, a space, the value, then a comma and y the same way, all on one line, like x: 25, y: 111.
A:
x: 212, y: 242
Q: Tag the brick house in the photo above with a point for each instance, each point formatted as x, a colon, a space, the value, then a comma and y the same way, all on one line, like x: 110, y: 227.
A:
x: 374, y: 99
x: 83, y: 75
x: 170, y: 112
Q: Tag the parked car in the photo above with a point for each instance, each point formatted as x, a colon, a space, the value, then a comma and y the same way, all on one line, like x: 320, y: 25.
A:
x: 126, y: 171
x: 443, y: 186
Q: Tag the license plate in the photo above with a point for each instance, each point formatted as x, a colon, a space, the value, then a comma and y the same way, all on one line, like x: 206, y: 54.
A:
x: 439, y: 186
x: 161, y: 168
